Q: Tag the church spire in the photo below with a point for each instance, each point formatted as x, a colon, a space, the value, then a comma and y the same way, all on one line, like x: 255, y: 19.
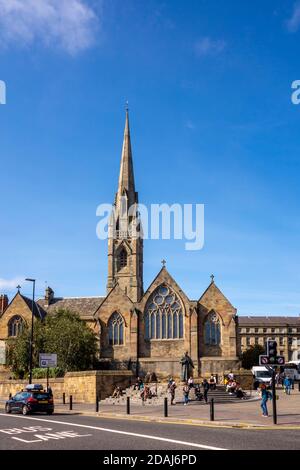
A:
x: 125, y: 243
x: 126, y: 178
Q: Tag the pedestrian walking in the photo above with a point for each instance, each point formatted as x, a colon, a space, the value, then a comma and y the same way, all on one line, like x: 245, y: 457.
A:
x: 265, y: 396
x: 172, y: 388
x: 186, y: 391
x: 287, y: 385
x: 205, y: 386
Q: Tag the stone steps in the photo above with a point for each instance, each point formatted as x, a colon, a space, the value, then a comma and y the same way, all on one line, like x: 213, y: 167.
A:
x: 219, y: 395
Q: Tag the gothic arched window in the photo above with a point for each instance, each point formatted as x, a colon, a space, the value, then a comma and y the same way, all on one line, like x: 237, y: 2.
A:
x: 122, y: 259
x: 15, y: 325
x: 163, y: 315
x: 116, y: 329
x: 212, y: 330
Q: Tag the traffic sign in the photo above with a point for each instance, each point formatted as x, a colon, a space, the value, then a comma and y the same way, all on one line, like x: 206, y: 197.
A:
x: 48, y: 360
x: 271, y: 360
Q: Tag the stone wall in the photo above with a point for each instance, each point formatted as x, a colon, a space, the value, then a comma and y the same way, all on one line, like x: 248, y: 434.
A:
x: 83, y: 386
x: 18, y: 307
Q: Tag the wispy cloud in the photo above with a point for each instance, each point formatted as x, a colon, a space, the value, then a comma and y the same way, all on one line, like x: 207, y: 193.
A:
x: 208, y: 46
x: 69, y: 25
x: 10, y: 284
x: 190, y: 125
x: 293, y: 23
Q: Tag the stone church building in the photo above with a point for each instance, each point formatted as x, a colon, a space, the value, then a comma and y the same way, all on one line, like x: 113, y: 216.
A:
x: 146, y: 330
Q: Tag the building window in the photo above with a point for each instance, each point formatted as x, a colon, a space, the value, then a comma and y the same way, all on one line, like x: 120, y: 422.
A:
x: 256, y: 330
x: 163, y: 315
x: 122, y: 259
x: 240, y: 330
x: 212, y: 330
x: 248, y: 341
x: 256, y: 340
x: 264, y: 330
x: 116, y: 329
x: 247, y: 330
x: 290, y: 330
x: 290, y: 341
x: 281, y: 341
x: 15, y: 325
x: 272, y: 330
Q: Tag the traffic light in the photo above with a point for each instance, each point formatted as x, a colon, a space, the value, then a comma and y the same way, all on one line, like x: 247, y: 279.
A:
x: 271, y: 358
x: 272, y: 351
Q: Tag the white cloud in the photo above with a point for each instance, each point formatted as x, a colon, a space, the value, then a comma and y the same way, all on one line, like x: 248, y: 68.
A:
x: 208, y: 46
x: 293, y: 23
x: 190, y: 125
x: 10, y: 284
x: 66, y: 24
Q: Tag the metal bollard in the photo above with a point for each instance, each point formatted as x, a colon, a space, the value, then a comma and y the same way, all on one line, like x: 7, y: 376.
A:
x: 64, y: 398
x: 128, y: 405
x: 97, y: 404
x: 71, y: 402
x: 212, y: 410
x: 166, y: 407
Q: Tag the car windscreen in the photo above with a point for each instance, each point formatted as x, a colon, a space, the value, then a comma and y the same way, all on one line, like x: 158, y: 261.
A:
x: 263, y: 374
x: 40, y: 396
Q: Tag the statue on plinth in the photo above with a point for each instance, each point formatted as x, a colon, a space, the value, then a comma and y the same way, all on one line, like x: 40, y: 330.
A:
x: 186, y: 365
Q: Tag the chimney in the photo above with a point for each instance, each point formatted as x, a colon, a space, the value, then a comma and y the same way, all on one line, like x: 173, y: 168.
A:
x: 3, y: 303
x: 49, y: 295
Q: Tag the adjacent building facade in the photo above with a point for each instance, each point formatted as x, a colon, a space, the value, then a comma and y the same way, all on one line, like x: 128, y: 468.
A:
x: 149, y: 330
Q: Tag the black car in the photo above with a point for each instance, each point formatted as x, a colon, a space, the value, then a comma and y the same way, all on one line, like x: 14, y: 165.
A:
x: 30, y: 401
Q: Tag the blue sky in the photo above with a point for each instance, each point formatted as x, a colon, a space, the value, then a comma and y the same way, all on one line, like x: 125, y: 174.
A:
x: 212, y: 122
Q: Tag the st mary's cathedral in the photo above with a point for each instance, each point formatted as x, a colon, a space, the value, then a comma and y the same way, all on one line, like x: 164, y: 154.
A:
x: 145, y: 330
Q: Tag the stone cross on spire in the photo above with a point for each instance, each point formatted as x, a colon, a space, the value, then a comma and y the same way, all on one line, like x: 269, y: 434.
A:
x: 163, y: 262
x: 212, y: 278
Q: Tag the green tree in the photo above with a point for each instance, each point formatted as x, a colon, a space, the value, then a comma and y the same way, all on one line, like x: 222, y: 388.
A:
x: 250, y: 357
x: 63, y: 333
x: 71, y: 339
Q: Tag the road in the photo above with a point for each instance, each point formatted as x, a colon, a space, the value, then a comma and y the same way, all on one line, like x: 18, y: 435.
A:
x: 65, y: 431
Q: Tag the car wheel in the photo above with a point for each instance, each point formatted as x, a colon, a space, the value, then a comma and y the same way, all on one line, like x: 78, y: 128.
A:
x: 25, y: 410
x: 7, y: 408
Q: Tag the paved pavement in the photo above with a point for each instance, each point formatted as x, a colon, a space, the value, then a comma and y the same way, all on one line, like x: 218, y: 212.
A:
x: 80, y: 432
x: 244, y: 413
x: 241, y: 414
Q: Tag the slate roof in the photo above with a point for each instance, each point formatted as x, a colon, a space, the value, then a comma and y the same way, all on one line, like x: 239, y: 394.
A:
x: 266, y: 320
x: 84, y: 306
x: 37, y: 310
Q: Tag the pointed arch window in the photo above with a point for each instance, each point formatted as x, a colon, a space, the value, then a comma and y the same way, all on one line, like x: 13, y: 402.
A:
x: 15, y: 325
x: 122, y: 259
x: 116, y: 329
x: 212, y: 330
x: 164, y: 315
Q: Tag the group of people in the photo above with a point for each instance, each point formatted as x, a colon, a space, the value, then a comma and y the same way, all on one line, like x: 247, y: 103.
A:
x: 145, y: 390
x: 188, y: 386
x: 233, y: 387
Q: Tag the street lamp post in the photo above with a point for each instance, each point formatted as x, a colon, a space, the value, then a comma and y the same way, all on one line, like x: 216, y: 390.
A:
x: 31, y: 335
